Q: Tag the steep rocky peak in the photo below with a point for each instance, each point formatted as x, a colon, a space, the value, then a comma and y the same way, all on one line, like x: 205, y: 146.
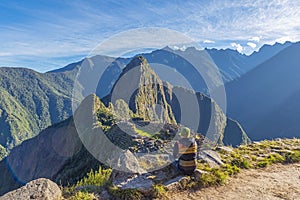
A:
x: 147, y: 99
x: 139, y: 62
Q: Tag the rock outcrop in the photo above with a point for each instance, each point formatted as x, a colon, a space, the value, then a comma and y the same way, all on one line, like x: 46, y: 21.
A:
x: 37, y: 189
x: 234, y: 134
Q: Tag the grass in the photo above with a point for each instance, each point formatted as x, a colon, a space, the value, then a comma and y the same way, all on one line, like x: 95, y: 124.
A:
x: 128, y: 194
x: 145, y: 133
x: 216, y: 176
x: 255, y: 155
x: 292, y: 157
x: 82, y: 196
x: 90, y: 184
x: 96, y: 178
x: 159, y: 191
x: 263, y: 154
x: 3, y: 152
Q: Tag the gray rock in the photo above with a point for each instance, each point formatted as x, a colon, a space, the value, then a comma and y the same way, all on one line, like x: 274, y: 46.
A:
x: 234, y: 134
x: 176, y: 183
x: 127, y: 162
x: 211, y: 157
x: 155, y: 162
x: 225, y: 148
x: 104, y: 195
x: 37, y: 189
x: 132, y: 181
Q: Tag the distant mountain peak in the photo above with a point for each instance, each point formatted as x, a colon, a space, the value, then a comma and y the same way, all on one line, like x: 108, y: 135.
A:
x: 137, y: 61
x: 148, y: 98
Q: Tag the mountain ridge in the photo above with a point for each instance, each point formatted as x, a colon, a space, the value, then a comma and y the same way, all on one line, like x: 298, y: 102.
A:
x: 66, y: 158
x: 56, y: 85
x: 257, y: 93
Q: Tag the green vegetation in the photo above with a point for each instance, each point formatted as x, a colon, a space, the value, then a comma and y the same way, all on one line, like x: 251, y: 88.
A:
x: 90, y: 184
x: 105, y: 116
x: 159, y: 191
x: 145, y: 133
x: 263, y: 154
x: 292, y: 157
x: 30, y: 102
x: 3, y: 152
x: 216, y: 176
x: 96, y: 178
x: 128, y: 194
x: 82, y: 196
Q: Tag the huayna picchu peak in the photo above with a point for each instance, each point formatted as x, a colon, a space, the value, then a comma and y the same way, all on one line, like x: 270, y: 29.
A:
x: 144, y: 92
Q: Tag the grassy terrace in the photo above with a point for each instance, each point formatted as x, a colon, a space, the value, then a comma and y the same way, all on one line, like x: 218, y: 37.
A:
x: 255, y: 155
x: 145, y: 133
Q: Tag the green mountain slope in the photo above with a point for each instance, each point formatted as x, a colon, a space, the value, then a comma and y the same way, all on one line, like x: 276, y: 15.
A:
x: 31, y: 101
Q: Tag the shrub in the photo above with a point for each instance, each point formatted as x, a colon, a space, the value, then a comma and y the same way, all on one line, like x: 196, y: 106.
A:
x: 215, y: 177
x: 95, y: 178
x: 231, y: 170
x: 159, y: 191
x: 82, y: 196
x: 128, y: 194
x: 239, y: 161
x: 275, y: 158
x: 253, y: 157
x: 262, y: 164
x: 292, y: 157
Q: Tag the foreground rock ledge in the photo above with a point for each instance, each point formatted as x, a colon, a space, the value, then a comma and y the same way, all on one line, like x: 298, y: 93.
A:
x: 37, y: 189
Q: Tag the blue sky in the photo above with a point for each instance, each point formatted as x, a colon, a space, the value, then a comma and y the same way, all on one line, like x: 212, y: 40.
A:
x: 45, y: 35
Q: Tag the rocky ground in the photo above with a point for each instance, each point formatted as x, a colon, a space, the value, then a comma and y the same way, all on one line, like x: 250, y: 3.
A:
x: 260, y: 170
x: 275, y: 182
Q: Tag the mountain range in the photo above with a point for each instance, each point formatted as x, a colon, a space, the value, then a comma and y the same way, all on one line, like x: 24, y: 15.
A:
x: 262, y: 95
x: 265, y: 100
x: 32, y: 101
x: 59, y: 152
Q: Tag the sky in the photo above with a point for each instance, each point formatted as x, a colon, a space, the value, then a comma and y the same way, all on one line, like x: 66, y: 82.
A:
x: 45, y: 35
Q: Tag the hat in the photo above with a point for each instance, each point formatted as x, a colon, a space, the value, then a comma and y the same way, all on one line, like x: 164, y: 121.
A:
x: 185, y: 132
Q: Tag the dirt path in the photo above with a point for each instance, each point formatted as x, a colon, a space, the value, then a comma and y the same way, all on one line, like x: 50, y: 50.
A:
x: 275, y: 182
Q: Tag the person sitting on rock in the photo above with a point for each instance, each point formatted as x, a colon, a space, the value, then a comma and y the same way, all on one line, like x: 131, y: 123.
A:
x: 185, y: 150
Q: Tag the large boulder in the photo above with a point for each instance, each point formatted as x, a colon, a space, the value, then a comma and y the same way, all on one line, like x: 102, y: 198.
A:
x: 126, y: 181
x: 37, y: 189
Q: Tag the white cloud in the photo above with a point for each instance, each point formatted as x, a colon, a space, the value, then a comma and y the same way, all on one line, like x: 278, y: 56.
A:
x: 76, y: 28
x: 251, y: 44
x: 255, y: 39
x: 122, y: 43
x: 208, y: 42
x: 283, y: 39
x: 237, y: 46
